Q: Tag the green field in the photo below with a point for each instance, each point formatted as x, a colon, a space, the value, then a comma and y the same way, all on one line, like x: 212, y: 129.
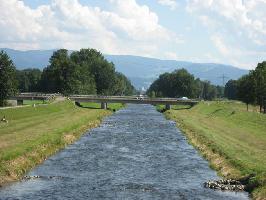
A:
x: 233, y: 139
x: 36, y: 102
x: 34, y: 133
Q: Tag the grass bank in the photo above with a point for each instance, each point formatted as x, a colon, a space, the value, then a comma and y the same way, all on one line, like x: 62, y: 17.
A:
x: 232, y: 139
x: 36, y: 102
x: 35, y: 133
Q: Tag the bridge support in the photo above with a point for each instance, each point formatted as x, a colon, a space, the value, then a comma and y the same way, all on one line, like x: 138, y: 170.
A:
x: 19, y: 102
x: 167, y: 107
x: 103, y: 105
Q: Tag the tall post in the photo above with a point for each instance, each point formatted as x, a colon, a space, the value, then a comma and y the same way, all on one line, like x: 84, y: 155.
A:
x: 167, y: 107
x: 103, y: 105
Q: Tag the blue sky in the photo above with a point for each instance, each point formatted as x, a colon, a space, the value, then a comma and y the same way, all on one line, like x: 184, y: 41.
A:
x: 220, y: 31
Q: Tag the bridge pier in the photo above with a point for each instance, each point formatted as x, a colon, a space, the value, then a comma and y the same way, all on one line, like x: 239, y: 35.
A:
x: 103, y: 105
x: 19, y: 102
x: 167, y: 107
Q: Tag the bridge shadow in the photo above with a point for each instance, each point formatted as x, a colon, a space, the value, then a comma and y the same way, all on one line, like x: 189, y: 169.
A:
x: 175, y: 108
x: 92, y: 107
x: 185, y: 108
x: 86, y: 107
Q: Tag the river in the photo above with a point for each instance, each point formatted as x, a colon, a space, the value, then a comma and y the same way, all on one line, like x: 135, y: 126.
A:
x: 134, y: 154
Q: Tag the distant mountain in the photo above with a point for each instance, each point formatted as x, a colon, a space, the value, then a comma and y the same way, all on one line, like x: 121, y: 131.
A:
x: 29, y: 59
x: 141, y: 71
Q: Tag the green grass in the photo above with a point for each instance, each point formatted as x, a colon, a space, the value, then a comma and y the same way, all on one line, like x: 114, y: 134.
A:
x: 36, y: 102
x: 225, y: 129
x: 34, y: 133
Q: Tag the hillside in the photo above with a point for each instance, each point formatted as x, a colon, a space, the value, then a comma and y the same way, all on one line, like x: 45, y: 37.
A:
x: 140, y: 70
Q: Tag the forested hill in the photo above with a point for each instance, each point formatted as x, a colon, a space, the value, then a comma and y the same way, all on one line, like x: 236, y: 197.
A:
x: 141, y: 71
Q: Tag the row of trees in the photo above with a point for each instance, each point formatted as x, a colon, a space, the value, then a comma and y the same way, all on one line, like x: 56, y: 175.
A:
x: 250, y: 88
x: 181, y: 83
x: 80, y: 72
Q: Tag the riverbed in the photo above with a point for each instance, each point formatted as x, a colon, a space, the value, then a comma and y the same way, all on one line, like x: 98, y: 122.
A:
x: 134, y: 154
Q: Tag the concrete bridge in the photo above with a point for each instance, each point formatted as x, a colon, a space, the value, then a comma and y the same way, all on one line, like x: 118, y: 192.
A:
x: 104, y: 100
x: 32, y: 96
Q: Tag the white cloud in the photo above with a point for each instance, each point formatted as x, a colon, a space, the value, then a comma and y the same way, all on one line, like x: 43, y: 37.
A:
x: 250, y: 16
x: 237, y: 28
x: 170, y: 3
x: 219, y: 43
x: 171, y: 55
x: 237, y: 56
x: 129, y: 28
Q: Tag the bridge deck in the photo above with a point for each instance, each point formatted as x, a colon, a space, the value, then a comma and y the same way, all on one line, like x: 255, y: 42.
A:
x: 108, y: 99
x: 133, y: 100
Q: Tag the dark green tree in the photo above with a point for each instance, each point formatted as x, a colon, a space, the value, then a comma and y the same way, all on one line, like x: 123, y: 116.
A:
x: 180, y: 83
x: 8, y: 82
x: 29, y: 80
x: 122, y: 85
x: 246, y: 89
x: 67, y: 77
x: 83, y: 72
x: 260, y: 84
x: 230, y: 91
x: 209, y: 91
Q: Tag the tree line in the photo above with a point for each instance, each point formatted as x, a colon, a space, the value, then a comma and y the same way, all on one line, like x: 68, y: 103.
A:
x: 180, y: 83
x: 79, y: 72
x: 250, y: 88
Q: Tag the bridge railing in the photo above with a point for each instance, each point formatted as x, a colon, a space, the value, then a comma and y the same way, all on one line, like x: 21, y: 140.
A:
x: 35, y: 95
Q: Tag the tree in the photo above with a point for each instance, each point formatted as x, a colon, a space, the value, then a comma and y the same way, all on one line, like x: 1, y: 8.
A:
x: 83, y: 72
x: 67, y: 77
x: 260, y: 84
x: 29, y: 80
x: 122, y: 85
x: 180, y: 83
x: 230, y: 90
x: 246, y: 89
x: 219, y: 91
x: 209, y: 91
x: 8, y: 82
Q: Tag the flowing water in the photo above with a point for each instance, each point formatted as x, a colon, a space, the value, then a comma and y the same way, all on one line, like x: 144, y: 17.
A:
x: 135, y: 154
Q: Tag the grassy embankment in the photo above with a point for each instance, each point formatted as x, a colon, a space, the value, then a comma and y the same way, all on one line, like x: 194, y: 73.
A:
x: 35, y: 133
x: 36, y: 102
x: 232, y: 139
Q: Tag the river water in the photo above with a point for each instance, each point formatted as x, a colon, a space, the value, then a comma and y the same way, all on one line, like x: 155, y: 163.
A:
x: 135, y: 154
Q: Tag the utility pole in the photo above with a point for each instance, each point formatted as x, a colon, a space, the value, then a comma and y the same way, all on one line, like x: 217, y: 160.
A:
x: 223, y: 77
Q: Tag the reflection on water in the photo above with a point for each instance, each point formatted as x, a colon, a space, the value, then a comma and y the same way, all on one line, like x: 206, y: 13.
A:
x: 134, y: 154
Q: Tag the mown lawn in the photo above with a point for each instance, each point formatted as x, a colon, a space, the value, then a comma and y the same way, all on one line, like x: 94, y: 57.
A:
x: 34, y: 133
x: 36, y: 102
x: 225, y: 129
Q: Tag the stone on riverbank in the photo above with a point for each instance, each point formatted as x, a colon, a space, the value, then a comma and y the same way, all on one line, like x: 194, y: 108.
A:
x: 229, y: 184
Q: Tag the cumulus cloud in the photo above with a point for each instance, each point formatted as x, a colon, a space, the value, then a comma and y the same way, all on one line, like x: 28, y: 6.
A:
x: 250, y: 16
x: 237, y: 28
x: 170, y: 3
x: 69, y: 24
x: 237, y: 56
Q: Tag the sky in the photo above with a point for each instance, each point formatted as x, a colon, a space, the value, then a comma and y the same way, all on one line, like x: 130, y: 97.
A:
x: 214, y: 31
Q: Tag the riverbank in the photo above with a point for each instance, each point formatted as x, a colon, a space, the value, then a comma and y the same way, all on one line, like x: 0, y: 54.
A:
x: 232, y: 139
x: 32, y: 134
